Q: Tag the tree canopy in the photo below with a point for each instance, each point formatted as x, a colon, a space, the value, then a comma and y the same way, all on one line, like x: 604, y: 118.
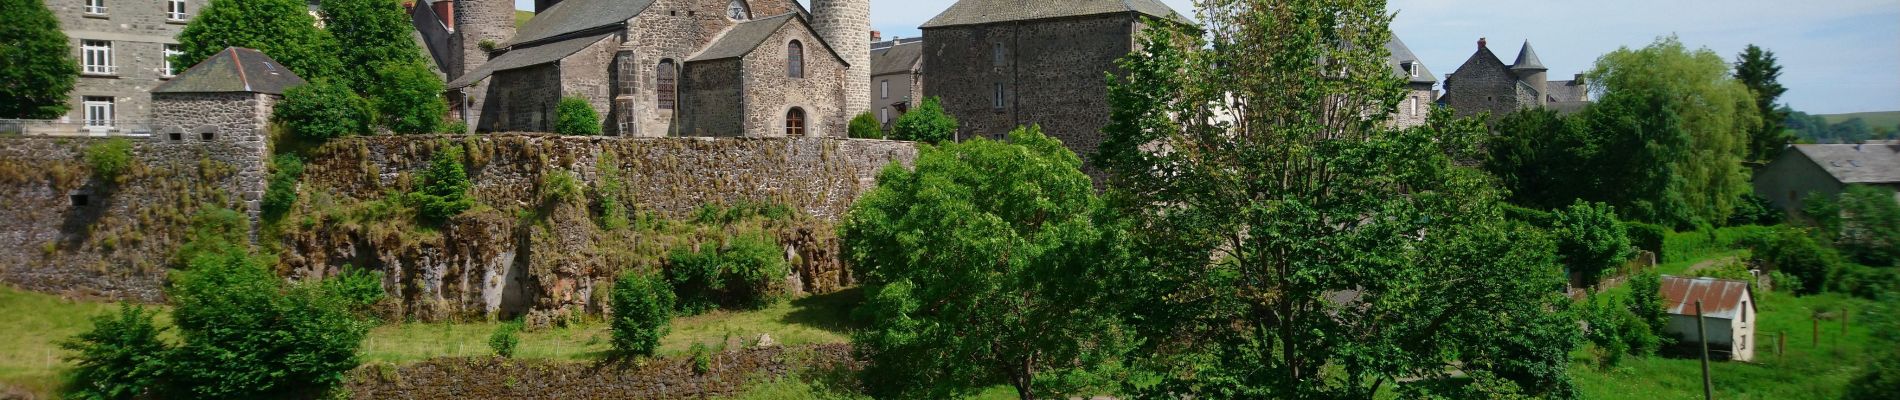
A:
x: 1667, y: 86
x: 376, y: 33
x: 282, y: 29
x: 927, y: 123
x: 37, y: 69
x: 1759, y: 70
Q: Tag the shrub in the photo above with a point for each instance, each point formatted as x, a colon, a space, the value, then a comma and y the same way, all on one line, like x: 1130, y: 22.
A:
x: 1646, y: 237
x: 247, y: 334
x: 281, y: 191
x: 120, y: 358
x: 745, y: 273
x: 1864, y: 281
x: 455, y: 127
x: 213, y: 230
x: 1755, y: 210
x: 1869, y: 230
x: 642, y: 309
x: 1617, y: 331
x: 110, y: 160
x: 1793, y: 252
x: 358, y: 288
x: 575, y: 116
x: 505, y: 339
x: 1531, y: 216
x: 613, y: 213
x: 1878, y: 380
x: 865, y: 126
x: 409, y: 100
x: 559, y: 186
x: 322, y: 110
x: 927, y: 123
x: 1590, y: 240
x: 443, y: 192
x: 702, y: 358
x: 1646, y: 302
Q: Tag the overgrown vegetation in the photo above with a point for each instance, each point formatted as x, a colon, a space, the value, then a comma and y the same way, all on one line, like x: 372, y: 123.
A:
x: 110, y: 160
x: 322, y: 110
x: 408, y: 98
x: 505, y: 339
x: 442, y: 190
x: 280, y: 190
x: 865, y: 126
x: 608, y: 191
x: 925, y: 124
x: 575, y: 116
x: 642, y: 309
x: 746, y: 271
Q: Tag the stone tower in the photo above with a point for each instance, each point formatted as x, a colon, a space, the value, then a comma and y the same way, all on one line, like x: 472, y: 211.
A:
x: 477, y: 21
x: 846, y: 25
x: 1531, y: 70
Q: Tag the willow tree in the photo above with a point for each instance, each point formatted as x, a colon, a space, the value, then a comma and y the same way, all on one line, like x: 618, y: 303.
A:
x: 1714, y: 111
x: 1295, y: 246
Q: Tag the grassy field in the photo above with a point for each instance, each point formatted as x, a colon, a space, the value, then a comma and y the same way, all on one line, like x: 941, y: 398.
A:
x: 30, y: 354
x: 1884, y: 118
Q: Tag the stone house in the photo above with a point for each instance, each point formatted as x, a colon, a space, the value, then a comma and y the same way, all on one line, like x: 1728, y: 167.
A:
x: 897, y: 77
x: 663, y: 67
x: 1728, y: 314
x: 226, y: 101
x: 1419, y: 82
x: 123, y: 48
x: 1826, y: 169
x: 1485, y: 84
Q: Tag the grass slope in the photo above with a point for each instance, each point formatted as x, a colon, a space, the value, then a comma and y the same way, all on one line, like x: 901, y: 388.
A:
x: 522, y: 17
x: 1883, y: 118
x: 30, y: 357
x: 1803, y: 372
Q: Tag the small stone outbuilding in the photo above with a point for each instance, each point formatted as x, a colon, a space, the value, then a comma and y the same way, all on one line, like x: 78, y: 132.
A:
x: 223, y: 105
x: 1826, y: 169
x: 1728, y: 312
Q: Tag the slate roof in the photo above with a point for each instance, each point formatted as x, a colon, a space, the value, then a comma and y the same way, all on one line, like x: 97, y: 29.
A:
x: 1527, y: 58
x: 896, y: 59
x: 1402, y: 54
x: 235, y: 69
x: 1721, y: 298
x: 529, y: 56
x: 1856, y: 163
x: 1566, y: 91
x: 740, y: 39
x: 978, y: 12
x: 574, y: 16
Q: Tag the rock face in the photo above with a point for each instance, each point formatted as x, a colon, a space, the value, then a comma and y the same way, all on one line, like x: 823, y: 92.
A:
x: 672, y: 378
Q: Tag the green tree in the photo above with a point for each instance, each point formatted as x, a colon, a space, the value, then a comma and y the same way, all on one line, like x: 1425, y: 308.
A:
x: 1759, y: 70
x: 1712, y: 109
x: 642, y: 308
x: 743, y: 272
x: 574, y: 116
x: 505, y: 339
x: 322, y: 110
x: 927, y: 123
x: 376, y: 34
x: 37, y: 69
x: 978, y: 269
x: 122, y: 357
x: 865, y: 126
x: 1869, y: 227
x: 1293, y: 247
x: 408, y: 99
x: 1590, y: 240
x: 282, y: 29
x: 443, y: 190
x: 1543, y: 158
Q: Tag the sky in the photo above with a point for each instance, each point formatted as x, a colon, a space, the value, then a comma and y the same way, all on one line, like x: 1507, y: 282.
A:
x: 1838, y: 56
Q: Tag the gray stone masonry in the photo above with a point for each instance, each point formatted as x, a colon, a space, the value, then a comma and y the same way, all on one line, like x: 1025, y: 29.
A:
x: 137, y: 31
x: 1052, y: 74
x: 823, y: 93
x: 846, y: 25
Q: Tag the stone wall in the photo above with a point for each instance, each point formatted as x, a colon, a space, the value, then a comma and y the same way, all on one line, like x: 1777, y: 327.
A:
x: 1053, y: 73
x: 522, y: 99
x: 712, y: 89
x: 1483, y: 84
x: 668, y: 378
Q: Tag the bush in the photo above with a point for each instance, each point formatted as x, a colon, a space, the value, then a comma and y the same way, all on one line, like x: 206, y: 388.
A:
x: 120, y: 358
x: 110, y: 160
x: 1794, y: 252
x: 280, y: 194
x: 613, y: 213
x: 1590, y: 240
x: 1531, y: 216
x: 865, y: 126
x: 455, y: 127
x: 702, y: 358
x: 1755, y: 210
x: 1877, y: 380
x: 559, y: 186
x: 642, y: 309
x: 745, y: 273
x: 409, y: 100
x: 359, y: 288
x: 443, y: 192
x: 247, y: 334
x: 575, y: 116
x: 505, y: 339
x: 927, y: 123
x: 1864, y: 281
x: 1646, y: 302
x: 322, y: 110
x: 1646, y: 237
x: 1869, y: 230
x: 213, y: 230
x: 1616, y: 331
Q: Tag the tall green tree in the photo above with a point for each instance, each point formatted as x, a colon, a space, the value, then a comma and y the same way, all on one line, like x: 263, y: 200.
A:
x: 982, y: 267
x: 1759, y: 70
x: 36, y: 64
x: 282, y: 29
x: 1295, y: 247
x: 409, y: 99
x: 376, y: 34
x: 1543, y: 158
x: 1668, y: 81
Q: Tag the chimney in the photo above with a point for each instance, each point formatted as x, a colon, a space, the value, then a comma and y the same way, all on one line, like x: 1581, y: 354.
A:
x: 445, y: 10
x: 877, y: 36
x: 1480, y: 43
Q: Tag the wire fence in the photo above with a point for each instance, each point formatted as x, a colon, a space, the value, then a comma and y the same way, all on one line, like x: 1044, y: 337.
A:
x: 43, y: 127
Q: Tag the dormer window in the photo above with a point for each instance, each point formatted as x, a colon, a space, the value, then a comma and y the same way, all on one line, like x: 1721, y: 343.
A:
x: 737, y: 11
x: 1411, y: 68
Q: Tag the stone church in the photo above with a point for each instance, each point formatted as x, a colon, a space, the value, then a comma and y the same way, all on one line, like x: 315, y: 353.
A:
x: 1485, y: 84
x: 656, y: 68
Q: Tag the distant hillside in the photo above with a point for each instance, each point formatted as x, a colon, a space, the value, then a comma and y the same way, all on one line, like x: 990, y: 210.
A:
x: 522, y: 17
x: 1883, y: 118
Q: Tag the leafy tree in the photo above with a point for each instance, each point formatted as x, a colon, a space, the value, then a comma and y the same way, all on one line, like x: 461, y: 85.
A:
x: 322, y: 110
x: 1794, y: 252
x: 443, y: 191
x: 642, y: 307
x: 408, y: 99
x: 1646, y: 302
x: 1665, y: 88
x: 1293, y: 247
x: 927, y: 123
x: 1758, y: 69
x: 1869, y: 228
x: 574, y: 116
x: 978, y: 269
x: 1543, y: 158
x: 282, y: 29
x: 744, y: 272
x: 110, y: 160
x: 865, y: 126
x: 377, y: 34
x: 1590, y: 240
x: 122, y: 357
x: 505, y: 339
x: 37, y: 69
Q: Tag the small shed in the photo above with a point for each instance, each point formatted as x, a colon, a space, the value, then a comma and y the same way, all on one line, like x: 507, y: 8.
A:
x: 1728, y: 312
x: 227, y: 98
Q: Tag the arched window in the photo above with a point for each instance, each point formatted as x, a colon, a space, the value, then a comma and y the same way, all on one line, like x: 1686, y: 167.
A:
x: 667, y: 78
x: 795, y: 122
x: 795, y: 59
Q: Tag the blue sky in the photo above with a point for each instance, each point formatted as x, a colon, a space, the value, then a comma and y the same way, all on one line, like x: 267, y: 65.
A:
x: 1838, y: 55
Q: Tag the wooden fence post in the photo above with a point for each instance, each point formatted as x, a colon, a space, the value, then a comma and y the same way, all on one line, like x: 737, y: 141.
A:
x: 1708, y: 386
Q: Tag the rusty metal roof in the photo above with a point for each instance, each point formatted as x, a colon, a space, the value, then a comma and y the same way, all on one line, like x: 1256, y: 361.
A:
x: 1721, y: 298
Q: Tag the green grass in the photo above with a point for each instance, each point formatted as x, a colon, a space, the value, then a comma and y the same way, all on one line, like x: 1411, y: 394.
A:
x: 522, y: 17
x: 30, y: 357
x: 1883, y: 118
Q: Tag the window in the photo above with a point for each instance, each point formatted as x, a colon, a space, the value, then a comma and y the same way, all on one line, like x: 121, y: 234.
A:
x: 171, y: 51
x: 884, y: 115
x: 96, y: 7
x: 175, y: 10
x: 737, y: 10
x: 1744, y: 312
x: 1413, y: 103
x: 999, y: 97
x: 884, y: 89
x: 667, y: 85
x: 98, y: 111
x: 997, y: 53
x: 795, y: 59
x: 1744, y: 342
x: 96, y: 56
x: 795, y: 122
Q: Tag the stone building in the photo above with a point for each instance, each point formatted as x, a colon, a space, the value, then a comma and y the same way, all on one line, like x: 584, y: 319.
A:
x: 897, y: 77
x: 663, y: 67
x: 228, y: 100
x: 1827, y: 170
x: 1485, y: 84
x: 123, y: 49
x: 999, y: 64
x: 1419, y: 81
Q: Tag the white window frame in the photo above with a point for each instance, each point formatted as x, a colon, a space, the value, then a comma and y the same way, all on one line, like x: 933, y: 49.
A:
x: 884, y: 115
x: 95, y: 7
x: 884, y: 89
x: 1413, y: 104
x: 99, y: 111
x: 96, y: 57
x: 175, y: 10
x: 171, y: 50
